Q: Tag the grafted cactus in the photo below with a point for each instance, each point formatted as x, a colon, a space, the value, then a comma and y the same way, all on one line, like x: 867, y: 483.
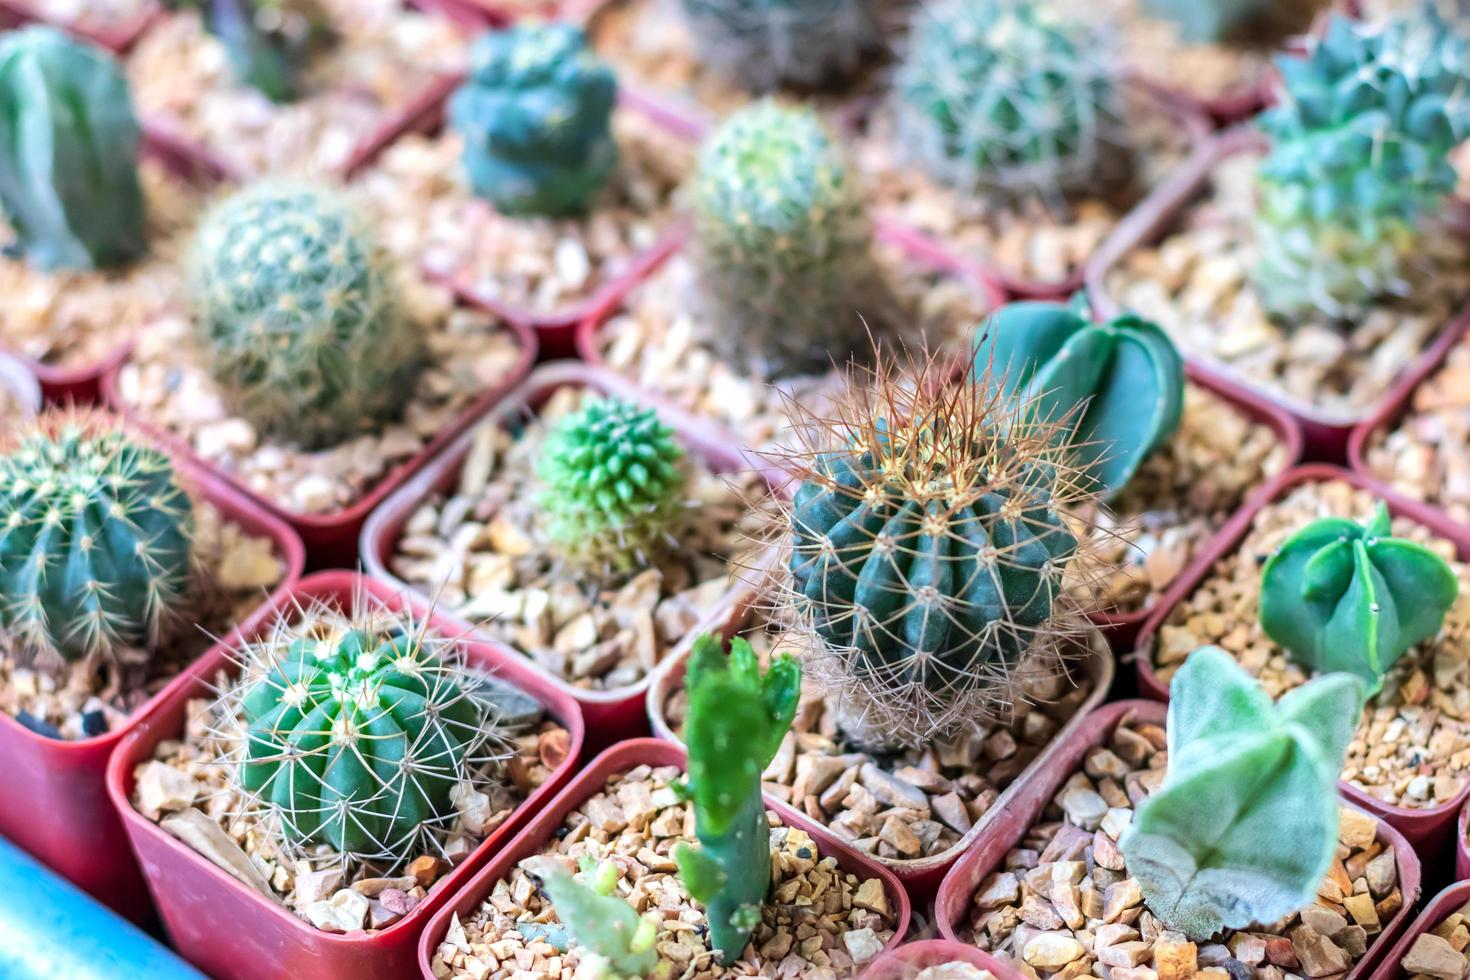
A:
x: 616, y: 940
x: 1243, y: 830
x: 535, y: 115
x: 267, y: 41
x: 68, y: 153
x: 1265, y: 22
x: 766, y: 43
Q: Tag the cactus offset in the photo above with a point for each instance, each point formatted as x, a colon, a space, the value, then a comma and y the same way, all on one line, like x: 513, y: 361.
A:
x: 613, y: 936
x: 766, y: 43
x: 1263, y: 22
x: 267, y: 41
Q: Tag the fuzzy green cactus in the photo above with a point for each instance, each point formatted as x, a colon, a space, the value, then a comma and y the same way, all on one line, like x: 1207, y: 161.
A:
x: 1117, y: 387
x: 1340, y: 596
x: 68, y: 153
x: 1264, y: 22
x: 535, y: 116
x: 267, y: 41
x: 1010, y: 97
x: 295, y: 309
x: 95, y: 541
x: 611, y: 933
x: 766, y: 43
x: 1244, y: 827
x: 737, y: 719
x: 1359, y: 160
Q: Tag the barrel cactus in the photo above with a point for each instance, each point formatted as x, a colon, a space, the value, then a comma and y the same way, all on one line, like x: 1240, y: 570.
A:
x: 68, y: 153
x: 267, y: 41
x: 295, y: 309
x: 805, y: 43
x: 535, y: 115
x: 96, y: 539
x: 1264, y: 22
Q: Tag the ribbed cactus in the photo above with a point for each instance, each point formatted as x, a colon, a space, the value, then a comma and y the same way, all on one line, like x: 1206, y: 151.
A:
x: 535, y: 116
x: 68, y: 153
x: 1244, y: 828
x: 1360, y: 144
x: 95, y: 539
x: 267, y: 41
x: 736, y: 721
x: 805, y: 43
x: 1265, y: 22
x: 295, y: 309
x: 614, y: 939
x: 1011, y: 97
x: 1117, y: 388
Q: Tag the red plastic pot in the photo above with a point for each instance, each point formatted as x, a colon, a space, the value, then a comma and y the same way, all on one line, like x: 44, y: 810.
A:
x: 230, y: 931
x: 53, y: 798
x: 117, y: 38
x: 1462, y: 845
x: 1428, y: 828
x: 20, y: 384
x: 1438, y: 909
x: 589, y: 782
x: 952, y: 909
x: 907, y: 960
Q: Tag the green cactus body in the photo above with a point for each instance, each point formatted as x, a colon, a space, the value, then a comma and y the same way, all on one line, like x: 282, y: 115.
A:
x: 1340, y: 596
x: 535, y: 115
x: 737, y: 719
x: 296, y: 312
x: 95, y: 541
x: 1360, y: 144
x: 1244, y: 828
x: 267, y: 41
x: 1012, y: 98
x: 599, y: 921
x: 68, y: 153
x: 1264, y: 22
x: 766, y: 43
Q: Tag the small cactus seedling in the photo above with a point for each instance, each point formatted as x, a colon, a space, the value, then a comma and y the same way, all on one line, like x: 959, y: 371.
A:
x: 766, y: 43
x: 295, y: 308
x: 535, y: 115
x: 68, y: 153
x: 1244, y: 827
x: 267, y: 41
x: 1262, y: 22
x: 737, y: 719
x: 1340, y: 596
x: 610, y: 932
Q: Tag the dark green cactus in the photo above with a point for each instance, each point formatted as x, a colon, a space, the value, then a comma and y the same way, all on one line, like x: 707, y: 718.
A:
x: 1264, y: 22
x: 267, y: 41
x: 68, y: 153
x: 612, y: 935
x: 1344, y: 597
x: 737, y: 719
x: 96, y: 535
x: 766, y: 43
x: 535, y: 116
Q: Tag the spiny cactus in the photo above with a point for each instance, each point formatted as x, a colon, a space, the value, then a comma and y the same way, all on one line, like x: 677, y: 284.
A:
x: 737, y: 719
x: 1360, y: 144
x: 267, y: 41
x: 1244, y: 827
x: 68, y: 153
x: 295, y: 308
x: 1263, y: 22
x: 616, y: 940
x: 95, y: 539
x: 1344, y: 597
x: 535, y: 116
x: 766, y: 43
x: 1010, y: 97
x: 1117, y: 388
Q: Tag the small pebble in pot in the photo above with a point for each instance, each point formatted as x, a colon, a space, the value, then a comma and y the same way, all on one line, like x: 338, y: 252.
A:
x: 94, y: 723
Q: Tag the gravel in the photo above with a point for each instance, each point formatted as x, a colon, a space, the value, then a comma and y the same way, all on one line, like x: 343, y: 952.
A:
x: 1424, y: 456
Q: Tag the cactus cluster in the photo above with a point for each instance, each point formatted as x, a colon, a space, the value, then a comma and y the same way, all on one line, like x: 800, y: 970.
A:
x: 68, y: 153
x: 535, y: 116
x: 615, y: 940
x: 297, y: 316
x: 267, y: 41
x: 1261, y: 22
x: 766, y: 43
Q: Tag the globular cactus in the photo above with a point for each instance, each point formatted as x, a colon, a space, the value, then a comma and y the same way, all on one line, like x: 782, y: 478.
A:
x: 95, y: 540
x: 1116, y: 388
x: 611, y: 934
x: 68, y: 153
x: 1011, y: 97
x: 1244, y: 827
x: 295, y: 308
x: 1340, y: 596
x: 535, y: 116
x: 267, y: 41
x: 613, y: 479
x: 1262, y: 22
x: 1359, y: 159
x: 736, y: 721
x: 766, y: 43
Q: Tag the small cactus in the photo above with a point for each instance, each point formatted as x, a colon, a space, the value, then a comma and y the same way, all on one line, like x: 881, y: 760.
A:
x: 267, y: 41
x: 295, y: 308
x: 766, y: 43
x: 609, y: 931
x: 68, y: 153
x: 535, y: 116
x: 95, y: 542
x: 1262, y: 22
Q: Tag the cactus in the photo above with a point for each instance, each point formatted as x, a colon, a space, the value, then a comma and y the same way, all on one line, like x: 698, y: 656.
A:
x: 1344, y: 597
x: 295, y: 307
x: 1116, y: 387
x: 1359, y: 159
x: 1262, y: 22
x: 68, y: 153
x: 1010, y: 97
x: 1244, y: 827
x: 535, y: 118
x: 766, y: 43
x: 609, y: 930
x: 267, y: 41
x: 736, y: 721
x: 96, y: 539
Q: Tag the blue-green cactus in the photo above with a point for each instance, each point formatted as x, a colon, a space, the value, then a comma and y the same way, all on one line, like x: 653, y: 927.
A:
x: 267, y: 41
x: 609, y: 931
x: 1237, y: 21
x: 805, y: 43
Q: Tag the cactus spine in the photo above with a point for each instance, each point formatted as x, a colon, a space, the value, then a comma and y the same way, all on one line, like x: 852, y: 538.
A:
x: 766, y: 43
x: 616, y: 940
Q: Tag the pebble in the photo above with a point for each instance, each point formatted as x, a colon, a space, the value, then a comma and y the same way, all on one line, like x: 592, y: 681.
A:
x: 1433, y: 956
x: 346, y: 911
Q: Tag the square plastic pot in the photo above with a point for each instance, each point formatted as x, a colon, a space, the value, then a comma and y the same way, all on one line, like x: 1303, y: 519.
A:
x: 589, y: 782
x: 117, y: 38
x: 1462, y: 844
x: 20, y: 384
x: 905, y: 962
x: 232, y: 932
x: 53, y: 797
x: 1438, y: 909
x: 952, y: 909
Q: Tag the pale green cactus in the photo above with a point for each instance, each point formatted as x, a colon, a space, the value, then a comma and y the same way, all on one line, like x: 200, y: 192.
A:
x: 612, y: 936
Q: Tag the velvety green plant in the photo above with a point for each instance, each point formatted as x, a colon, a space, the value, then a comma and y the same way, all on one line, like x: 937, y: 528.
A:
x: 610, y: 932
x: 766, y: 43
x: 535, y: 115
x: 1359, y: 159
x: 736, y: 721
x: 1235, y: 21
x: 1340, y: 596
x: 1244, y: 828
x: 68, y: 153
x: 267, y: 41
x: 295, y: 308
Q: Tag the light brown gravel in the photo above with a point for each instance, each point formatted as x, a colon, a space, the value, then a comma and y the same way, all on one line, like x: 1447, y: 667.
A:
x: 957, y: 970
x: 1442, y: 953
x: 1424, y: 456
x: 1152, y: 46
